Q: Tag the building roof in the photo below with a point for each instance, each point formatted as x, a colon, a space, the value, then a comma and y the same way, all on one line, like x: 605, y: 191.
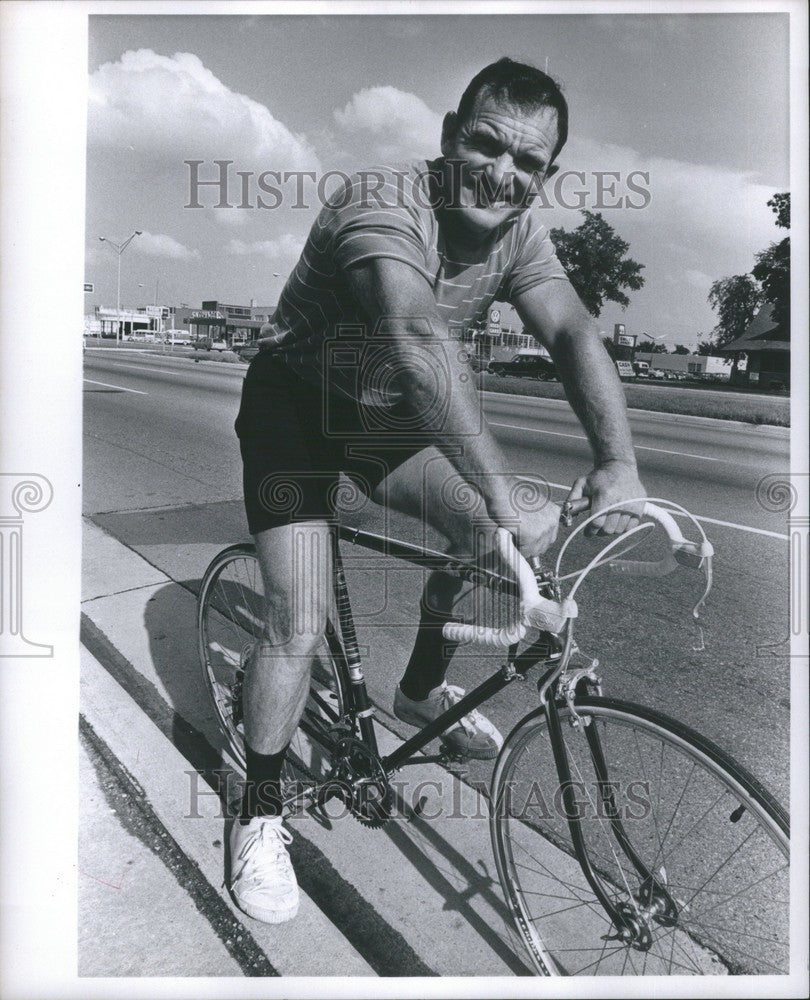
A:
x: 763, y: 334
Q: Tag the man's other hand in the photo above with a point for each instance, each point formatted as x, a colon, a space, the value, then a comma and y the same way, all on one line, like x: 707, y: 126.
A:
x: 607, y: 484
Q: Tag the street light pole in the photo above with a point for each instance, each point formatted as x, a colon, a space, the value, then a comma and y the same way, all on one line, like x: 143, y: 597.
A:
x: 119, y: 249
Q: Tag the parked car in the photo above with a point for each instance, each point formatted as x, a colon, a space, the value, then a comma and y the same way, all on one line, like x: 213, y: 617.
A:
x: 525, y: 366
x: 175, y: 337
x: 247, y: 352
x: 642, y: 369
x: 206, y: 344
x: 657, y: 373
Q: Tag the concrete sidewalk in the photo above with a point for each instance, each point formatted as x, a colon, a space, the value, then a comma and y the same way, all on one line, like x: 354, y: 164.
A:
x: 419, y: 897
x: 135, y: 918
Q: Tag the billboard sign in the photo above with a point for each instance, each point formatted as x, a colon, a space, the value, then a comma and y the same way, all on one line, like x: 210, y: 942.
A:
x: 89, y: 287
x: 625, y: 369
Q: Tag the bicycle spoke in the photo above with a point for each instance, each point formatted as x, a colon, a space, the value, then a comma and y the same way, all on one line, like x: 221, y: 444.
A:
x: 684, y: 835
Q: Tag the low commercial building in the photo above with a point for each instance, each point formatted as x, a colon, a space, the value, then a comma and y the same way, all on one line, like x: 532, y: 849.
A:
x: 686, y: 364
x: 235, y: 324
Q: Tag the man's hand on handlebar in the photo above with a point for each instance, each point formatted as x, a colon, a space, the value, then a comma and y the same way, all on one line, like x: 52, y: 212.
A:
x: 538, y: 529
x: 610, y: 483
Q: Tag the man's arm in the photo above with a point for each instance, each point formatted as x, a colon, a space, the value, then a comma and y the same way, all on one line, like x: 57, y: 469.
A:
x: 392, y: 292
x: 557, y: 318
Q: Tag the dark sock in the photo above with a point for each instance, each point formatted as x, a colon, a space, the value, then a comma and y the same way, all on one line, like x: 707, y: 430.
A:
x: 432, y: 652
x: 262, y: 792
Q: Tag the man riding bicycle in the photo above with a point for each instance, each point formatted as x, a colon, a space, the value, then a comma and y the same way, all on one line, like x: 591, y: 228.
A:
x: 360, y: 373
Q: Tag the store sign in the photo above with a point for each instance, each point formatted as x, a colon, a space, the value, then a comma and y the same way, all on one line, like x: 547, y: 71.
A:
x: 207, y: 314
x: 495, y: 321
x: 626, y: 340
x: 156, y: 312
x: 89, y: 287
x: 625, y: 369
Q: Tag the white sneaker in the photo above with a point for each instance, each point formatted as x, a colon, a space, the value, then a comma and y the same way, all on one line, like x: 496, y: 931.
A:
x: 263, y: 882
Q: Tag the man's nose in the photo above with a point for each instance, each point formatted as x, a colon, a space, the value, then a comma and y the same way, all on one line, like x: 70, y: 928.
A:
x: 501, y: 169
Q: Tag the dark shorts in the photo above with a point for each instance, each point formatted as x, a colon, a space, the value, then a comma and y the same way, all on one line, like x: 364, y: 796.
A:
x: 296, y: 438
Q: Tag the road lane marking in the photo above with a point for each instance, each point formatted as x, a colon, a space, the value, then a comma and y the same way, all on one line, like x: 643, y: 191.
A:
x: 706, y: 520
x: 152, y: 368
x: 121, y: 388
x: 638, y: 447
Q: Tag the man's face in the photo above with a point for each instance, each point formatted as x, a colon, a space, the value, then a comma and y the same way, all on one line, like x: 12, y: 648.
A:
x: 506, y: 155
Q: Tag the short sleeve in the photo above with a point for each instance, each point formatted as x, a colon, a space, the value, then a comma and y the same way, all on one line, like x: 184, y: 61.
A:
x: 366, y: 221
x: 534, y: 260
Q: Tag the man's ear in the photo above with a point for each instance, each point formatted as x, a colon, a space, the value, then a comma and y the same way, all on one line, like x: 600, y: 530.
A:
x: 449, y: 127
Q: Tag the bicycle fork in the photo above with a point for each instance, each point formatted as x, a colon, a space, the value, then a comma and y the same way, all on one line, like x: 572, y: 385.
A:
x: 630, y: 923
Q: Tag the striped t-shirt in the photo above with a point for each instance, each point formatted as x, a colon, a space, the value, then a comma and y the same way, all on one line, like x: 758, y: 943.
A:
x: 317, y: 328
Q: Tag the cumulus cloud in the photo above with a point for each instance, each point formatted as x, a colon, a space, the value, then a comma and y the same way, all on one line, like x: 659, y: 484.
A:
x: 392, y: 124
x: 709, y: 216
x: 286, y: 247
x: 161, y: 245
x: 172, y: 108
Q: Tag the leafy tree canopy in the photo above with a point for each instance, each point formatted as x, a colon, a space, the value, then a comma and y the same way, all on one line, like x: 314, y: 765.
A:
x: 652, y: 347
x: 593, y: 256
x: 735, y: 300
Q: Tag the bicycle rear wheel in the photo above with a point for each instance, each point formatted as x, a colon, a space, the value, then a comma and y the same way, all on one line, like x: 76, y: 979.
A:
x: 700, y: 824
x: 230, y: 618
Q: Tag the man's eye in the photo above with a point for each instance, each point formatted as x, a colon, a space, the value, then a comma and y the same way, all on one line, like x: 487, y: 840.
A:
x: 530, y: 166
x: 490, y: 147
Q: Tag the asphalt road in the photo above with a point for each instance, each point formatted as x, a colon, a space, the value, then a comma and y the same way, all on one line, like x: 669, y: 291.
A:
x: 162, y: 473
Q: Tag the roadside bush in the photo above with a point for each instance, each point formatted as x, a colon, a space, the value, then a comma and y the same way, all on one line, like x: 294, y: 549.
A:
x: 228, y: 357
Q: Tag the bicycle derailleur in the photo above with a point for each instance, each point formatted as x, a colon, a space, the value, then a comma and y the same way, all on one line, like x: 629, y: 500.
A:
x: 358, y: 779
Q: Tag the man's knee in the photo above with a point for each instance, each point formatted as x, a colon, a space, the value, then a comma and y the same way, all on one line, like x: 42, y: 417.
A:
x: 294, y: 631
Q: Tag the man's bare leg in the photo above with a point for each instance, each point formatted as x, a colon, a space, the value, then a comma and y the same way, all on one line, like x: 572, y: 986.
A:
x: 295, y: 562
x: 419, y: 488
x: 296, y: 566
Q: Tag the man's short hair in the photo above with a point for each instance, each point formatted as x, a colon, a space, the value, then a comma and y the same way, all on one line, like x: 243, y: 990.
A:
x: 525, y: 86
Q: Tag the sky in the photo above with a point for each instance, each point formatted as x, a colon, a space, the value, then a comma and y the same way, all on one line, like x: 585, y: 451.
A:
x: 699, y: 102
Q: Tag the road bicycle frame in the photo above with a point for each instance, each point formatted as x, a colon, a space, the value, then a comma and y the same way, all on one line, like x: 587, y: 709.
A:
x: 549, y: 651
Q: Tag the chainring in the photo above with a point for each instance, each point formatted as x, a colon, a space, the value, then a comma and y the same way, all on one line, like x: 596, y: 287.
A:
x: 359, y: 771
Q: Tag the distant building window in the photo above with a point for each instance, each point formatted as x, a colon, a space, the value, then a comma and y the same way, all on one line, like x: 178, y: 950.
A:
x: 693, y: 367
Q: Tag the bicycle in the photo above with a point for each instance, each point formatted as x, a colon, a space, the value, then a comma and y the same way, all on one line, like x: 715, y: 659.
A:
x: 644, y: 849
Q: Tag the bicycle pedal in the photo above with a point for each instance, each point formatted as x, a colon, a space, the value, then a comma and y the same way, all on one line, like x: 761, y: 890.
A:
x: 455, y: 762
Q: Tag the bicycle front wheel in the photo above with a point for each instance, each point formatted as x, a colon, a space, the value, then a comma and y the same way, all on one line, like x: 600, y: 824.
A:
x: 679, y: 835
x: 230, y: 621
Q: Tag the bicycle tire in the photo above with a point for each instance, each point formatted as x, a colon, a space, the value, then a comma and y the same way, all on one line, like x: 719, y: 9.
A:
x: 230, y: 613
x: 732, y: 904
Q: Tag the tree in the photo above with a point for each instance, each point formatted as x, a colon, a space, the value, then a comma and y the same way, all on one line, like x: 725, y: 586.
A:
x: 609, y: 347
x: 651, y: 347
x: 735, y: 299
x: 772, y: 269
x: 680, y: 349
x: 593, y: 256
x: 707, y: 346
